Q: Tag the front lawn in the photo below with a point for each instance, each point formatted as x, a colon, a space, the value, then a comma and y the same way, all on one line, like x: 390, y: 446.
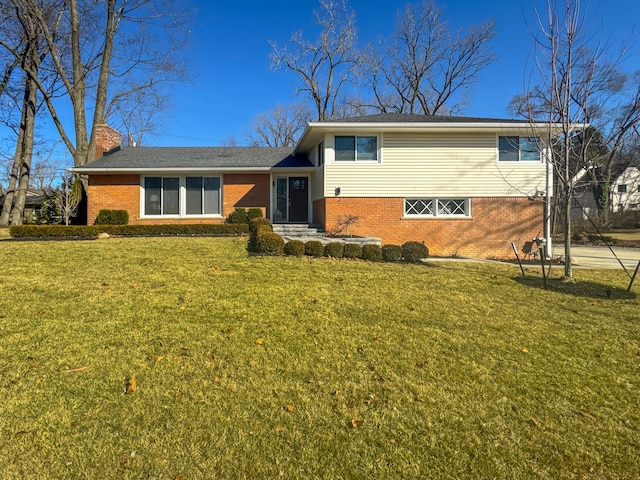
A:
x: 283, y: 367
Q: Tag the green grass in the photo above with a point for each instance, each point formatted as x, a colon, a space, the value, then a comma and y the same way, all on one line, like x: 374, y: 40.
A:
x: 282, y: 367
x: 626, y: 235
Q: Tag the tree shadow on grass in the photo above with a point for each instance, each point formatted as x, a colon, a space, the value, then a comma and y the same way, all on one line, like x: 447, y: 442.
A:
x: 578, y: 288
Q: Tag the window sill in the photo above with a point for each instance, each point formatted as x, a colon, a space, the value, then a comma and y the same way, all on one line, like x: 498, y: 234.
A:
x: 177, y: 217
x: 439, y: 217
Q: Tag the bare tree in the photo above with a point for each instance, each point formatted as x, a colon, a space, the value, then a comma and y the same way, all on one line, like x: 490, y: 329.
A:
x: 139, y: 116
x: 67, y: 199
x: 43, y: 174
x: 95, y: 55
x: 25, y: 46
x: 280, y: 127
x: 136, y: 50
x: 578, y: 86
x: 426, y: 68
x: 326, y: 65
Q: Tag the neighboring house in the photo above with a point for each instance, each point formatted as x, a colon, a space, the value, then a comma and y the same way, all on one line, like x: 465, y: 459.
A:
x: 625, y: 190
x: 32, y: 203
x: 464, y: 186
x: 625, y: 194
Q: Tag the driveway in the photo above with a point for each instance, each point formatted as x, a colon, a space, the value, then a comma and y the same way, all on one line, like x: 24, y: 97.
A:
x: 600, y: 257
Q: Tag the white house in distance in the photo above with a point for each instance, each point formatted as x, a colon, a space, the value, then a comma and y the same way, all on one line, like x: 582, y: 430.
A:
x: 625, y: 190
x: 463, y: 186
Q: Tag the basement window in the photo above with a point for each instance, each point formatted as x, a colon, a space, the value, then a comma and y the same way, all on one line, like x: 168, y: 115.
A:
x: 437, y: 207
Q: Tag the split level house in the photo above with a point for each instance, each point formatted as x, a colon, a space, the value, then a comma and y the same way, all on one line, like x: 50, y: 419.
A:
x: 463, y: 186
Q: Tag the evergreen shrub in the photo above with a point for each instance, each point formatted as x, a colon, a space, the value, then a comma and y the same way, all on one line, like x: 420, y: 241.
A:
x: 239, y: 215
x: 314, y: 248
x: 112, y: 217
x: 414, y: 251
x: 352, y: 250
x: 334, y: 249
x: 254, y: 213
x: 371, y: 252
x: 269, y: 243
x: 391, y: 253
x: 294, y: 247
x: 89, y: 231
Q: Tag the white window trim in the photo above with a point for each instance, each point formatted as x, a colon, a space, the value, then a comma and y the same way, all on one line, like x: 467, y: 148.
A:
x: 182, y: 192
x: 436, y: 214
x: 378, y: 161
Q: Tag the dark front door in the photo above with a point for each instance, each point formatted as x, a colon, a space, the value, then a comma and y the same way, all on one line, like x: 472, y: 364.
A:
x: 298, y: 199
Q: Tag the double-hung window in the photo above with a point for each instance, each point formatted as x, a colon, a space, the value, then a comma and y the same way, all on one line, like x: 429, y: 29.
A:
x: 354, y: 148
x: 519, y: 149
x: 182, y: 196
x: 437, y: 207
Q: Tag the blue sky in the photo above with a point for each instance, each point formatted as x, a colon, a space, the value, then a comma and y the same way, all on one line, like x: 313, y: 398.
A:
x: 233, y: 81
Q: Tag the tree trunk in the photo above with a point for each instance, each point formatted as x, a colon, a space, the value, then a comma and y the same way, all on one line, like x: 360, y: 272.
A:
x: 29, y: 109
x: 566, y: 207
x: 13, y: 180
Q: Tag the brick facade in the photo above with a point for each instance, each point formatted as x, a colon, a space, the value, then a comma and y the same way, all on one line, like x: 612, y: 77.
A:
x: 246, y: 190
x: 122, y: 192
x: 488, y: 233
x: 113, y: 192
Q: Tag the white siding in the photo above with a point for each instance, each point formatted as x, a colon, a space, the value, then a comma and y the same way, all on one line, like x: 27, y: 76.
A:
x: 316, y: 182
x: 629, y: 200
x: 317, y: 177
x: 437, y: 164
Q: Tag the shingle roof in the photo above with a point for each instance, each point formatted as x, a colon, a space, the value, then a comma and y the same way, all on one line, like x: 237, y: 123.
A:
x: 419, y: 118
x: 197, y: 157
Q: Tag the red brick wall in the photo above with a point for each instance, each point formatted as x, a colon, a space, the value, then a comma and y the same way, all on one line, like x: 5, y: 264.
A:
x: 494, y: 224
x: 246, y: 191
x: 319, y: 207
x: 113, y: 192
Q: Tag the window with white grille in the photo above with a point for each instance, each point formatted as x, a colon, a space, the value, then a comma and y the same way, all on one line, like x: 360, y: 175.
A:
x: 437, y: 207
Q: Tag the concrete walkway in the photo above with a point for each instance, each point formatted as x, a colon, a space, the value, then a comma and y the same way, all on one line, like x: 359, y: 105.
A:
x: 600, y: 257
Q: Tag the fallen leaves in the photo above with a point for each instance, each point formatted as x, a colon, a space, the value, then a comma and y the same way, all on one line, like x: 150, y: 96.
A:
x: 290, y: 408
x: 76, y: 370
x: 132, y: 384
x: 588, y: 415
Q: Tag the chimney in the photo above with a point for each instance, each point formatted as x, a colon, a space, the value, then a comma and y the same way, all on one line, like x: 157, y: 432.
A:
x: 106, y: 138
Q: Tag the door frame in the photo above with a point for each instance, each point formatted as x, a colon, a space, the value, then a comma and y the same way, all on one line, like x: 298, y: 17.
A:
x: 277, y: 197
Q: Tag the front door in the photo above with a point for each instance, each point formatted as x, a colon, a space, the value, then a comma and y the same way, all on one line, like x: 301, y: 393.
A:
x: 298, y: 199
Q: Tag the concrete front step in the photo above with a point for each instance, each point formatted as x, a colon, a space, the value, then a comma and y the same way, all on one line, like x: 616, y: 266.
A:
x: 304, y: 232
x: 299, y: 229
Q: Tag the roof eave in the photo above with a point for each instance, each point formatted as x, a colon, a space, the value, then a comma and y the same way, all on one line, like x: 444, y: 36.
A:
x: 116, y: 170
x: 315, y: 130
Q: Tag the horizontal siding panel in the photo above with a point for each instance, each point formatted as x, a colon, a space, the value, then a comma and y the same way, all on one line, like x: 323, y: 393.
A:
x: 317, y: 184
x: 435, y: 165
